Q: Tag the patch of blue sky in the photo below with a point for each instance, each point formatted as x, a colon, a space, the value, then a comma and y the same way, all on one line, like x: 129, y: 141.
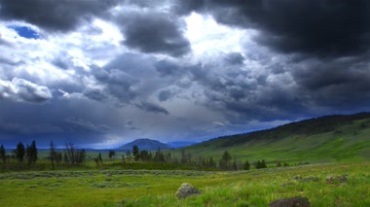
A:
x: 24, y: 31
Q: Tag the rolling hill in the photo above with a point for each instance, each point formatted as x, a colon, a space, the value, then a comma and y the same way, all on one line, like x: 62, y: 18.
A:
x: 329, y: 138
x: 144, y: 144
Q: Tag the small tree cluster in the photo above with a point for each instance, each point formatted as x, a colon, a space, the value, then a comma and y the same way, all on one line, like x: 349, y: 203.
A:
x: 31, y: 152
x: 145, y: 155
x: 74, y: 156
x: 260, y: 164
x: 246, y: 166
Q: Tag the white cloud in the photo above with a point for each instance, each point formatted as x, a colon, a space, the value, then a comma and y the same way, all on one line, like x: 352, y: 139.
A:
x: 23, y: 91
x: 204, y: 34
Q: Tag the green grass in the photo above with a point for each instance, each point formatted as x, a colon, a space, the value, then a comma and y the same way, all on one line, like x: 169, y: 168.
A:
x: 348, y: 142
x: 158, y: 187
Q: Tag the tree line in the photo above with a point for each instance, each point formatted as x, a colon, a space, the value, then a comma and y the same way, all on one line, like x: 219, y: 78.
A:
x: 70, y: 155
x: 73, y: 156
x: 226, y: 162
x: 20, y: 153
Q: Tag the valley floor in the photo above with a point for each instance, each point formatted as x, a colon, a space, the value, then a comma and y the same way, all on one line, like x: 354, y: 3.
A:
x: 157, y: 187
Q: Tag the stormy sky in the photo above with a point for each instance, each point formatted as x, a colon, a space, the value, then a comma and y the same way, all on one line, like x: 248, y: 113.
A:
x: 102, y: 73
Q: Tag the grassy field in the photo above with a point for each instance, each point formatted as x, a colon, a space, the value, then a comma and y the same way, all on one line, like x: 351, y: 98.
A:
x: 157, y: 188
x: 345, y: 142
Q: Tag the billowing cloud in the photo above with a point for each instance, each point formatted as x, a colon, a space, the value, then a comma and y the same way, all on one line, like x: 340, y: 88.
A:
x: 154, y: 32
x: 24, y: 91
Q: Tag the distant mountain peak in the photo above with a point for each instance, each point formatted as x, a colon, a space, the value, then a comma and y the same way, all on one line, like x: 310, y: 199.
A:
x: 145, y: 144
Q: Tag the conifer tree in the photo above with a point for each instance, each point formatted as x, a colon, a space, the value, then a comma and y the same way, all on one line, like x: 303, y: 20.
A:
x: 20, y: 151
x: 3, y: 153
x: 247, y: 166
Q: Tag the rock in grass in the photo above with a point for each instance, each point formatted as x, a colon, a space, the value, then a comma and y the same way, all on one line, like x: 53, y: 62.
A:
x: 336, y: 179
x: 291, y: 202
x: 186, y: 190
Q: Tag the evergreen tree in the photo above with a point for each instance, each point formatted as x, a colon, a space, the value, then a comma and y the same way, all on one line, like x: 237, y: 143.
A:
x: 234, y: 165
x: 100, y: 159
x: 20, y: 151
x: 247, y: 166
x: 226, y: 156
x: 211, y: 162
x: 3, y: 153
x: 145, y: 155
x: 111, y: 154
x: 31, y: 153
x: 159, y: 156
x: 136, y: 152
x: 224, y: 162
x: 263, y: 164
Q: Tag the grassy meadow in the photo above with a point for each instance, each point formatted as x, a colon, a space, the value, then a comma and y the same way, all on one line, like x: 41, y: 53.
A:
x: 314, y: 150
x: 91, y: 188
x: 342, y: 142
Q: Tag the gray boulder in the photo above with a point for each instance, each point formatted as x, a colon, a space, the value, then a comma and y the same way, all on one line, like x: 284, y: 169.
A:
x: 291, y: 202
x: 186, y: 190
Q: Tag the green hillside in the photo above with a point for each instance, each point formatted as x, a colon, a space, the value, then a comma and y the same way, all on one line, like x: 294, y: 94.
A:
x: 329, y: 138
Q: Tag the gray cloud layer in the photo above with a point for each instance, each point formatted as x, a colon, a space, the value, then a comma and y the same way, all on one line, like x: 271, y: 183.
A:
x: 61, y: 15
x: 306, y: 58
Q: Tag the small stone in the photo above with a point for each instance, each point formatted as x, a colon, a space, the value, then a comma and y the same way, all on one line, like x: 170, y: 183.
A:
x: 336, y: 179
x: 291, y: 202
x: 186, y: 190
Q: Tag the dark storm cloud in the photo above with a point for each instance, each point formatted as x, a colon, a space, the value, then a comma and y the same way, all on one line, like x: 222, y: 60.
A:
x: 165, y: 95
x: 63, y: 15
x: 153, y: 32
x: 322, y: 28
x: 71, y: 119
x: 94, y: 94
x: 79, y: 124
x: 151, y: 107
x: 116, y: 82
x: 167, y: 68
x: 121, y: 78
x: 185, y: 7
x: 234, y: 58
x: 339, y: 83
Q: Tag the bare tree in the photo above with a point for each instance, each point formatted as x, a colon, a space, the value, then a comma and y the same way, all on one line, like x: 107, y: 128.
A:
x: 75, y: 156
x: 53, y: 154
